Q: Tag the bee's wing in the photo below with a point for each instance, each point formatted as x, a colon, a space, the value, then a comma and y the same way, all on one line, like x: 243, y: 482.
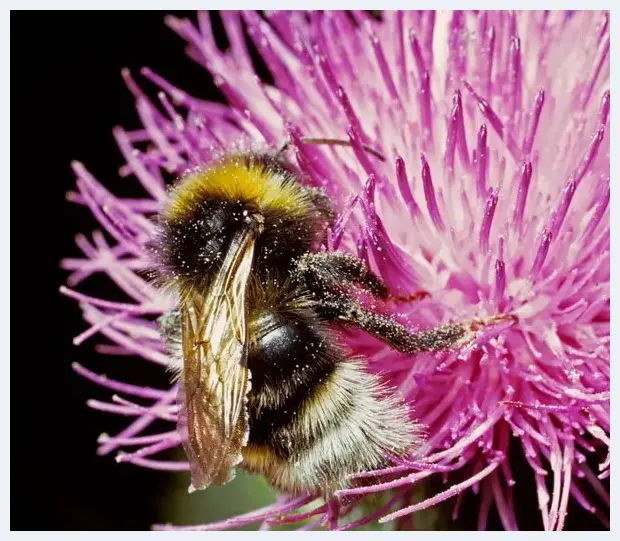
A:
x: 213, y: 418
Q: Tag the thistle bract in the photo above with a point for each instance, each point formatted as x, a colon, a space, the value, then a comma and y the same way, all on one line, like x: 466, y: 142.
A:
x: 493, y: 198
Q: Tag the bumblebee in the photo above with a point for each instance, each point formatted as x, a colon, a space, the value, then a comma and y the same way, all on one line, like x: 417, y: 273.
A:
x: 265, y: 381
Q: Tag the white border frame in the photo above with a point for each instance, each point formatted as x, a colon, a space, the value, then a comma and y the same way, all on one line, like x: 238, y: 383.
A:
x: 271, y: 4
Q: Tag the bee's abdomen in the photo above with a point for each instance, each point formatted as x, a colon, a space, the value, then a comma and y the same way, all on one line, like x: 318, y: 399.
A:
x: 316, y: 417
x: 346, y: 424
x: 289, y: 358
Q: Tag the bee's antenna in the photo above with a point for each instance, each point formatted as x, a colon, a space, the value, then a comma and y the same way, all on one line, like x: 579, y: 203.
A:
x: 284, y: 148
x: 329, y: 141
x: 341, y: 143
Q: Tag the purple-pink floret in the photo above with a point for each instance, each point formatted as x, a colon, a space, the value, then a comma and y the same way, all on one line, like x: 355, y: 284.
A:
x: 493, y: 198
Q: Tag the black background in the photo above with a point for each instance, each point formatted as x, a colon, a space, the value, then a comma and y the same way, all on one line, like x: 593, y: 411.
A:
x: 67, y: 94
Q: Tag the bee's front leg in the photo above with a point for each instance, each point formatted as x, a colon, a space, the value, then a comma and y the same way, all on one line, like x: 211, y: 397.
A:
x: 349, y: 312
x: 323, y: 205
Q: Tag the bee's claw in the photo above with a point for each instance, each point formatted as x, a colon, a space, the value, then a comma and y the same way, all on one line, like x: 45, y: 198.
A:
x: 479, y: 323
x: 410, y: 297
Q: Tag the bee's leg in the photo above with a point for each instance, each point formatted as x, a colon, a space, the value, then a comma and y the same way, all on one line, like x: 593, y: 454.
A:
x: 323, y: 205
x: 393, y: 333
x: 323, y: 275
x: 170, y: 323
x: 170, y: 329
x: 327, y: 272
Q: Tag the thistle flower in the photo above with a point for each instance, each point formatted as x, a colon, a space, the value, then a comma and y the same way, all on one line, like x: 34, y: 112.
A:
x: 493, y: 198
